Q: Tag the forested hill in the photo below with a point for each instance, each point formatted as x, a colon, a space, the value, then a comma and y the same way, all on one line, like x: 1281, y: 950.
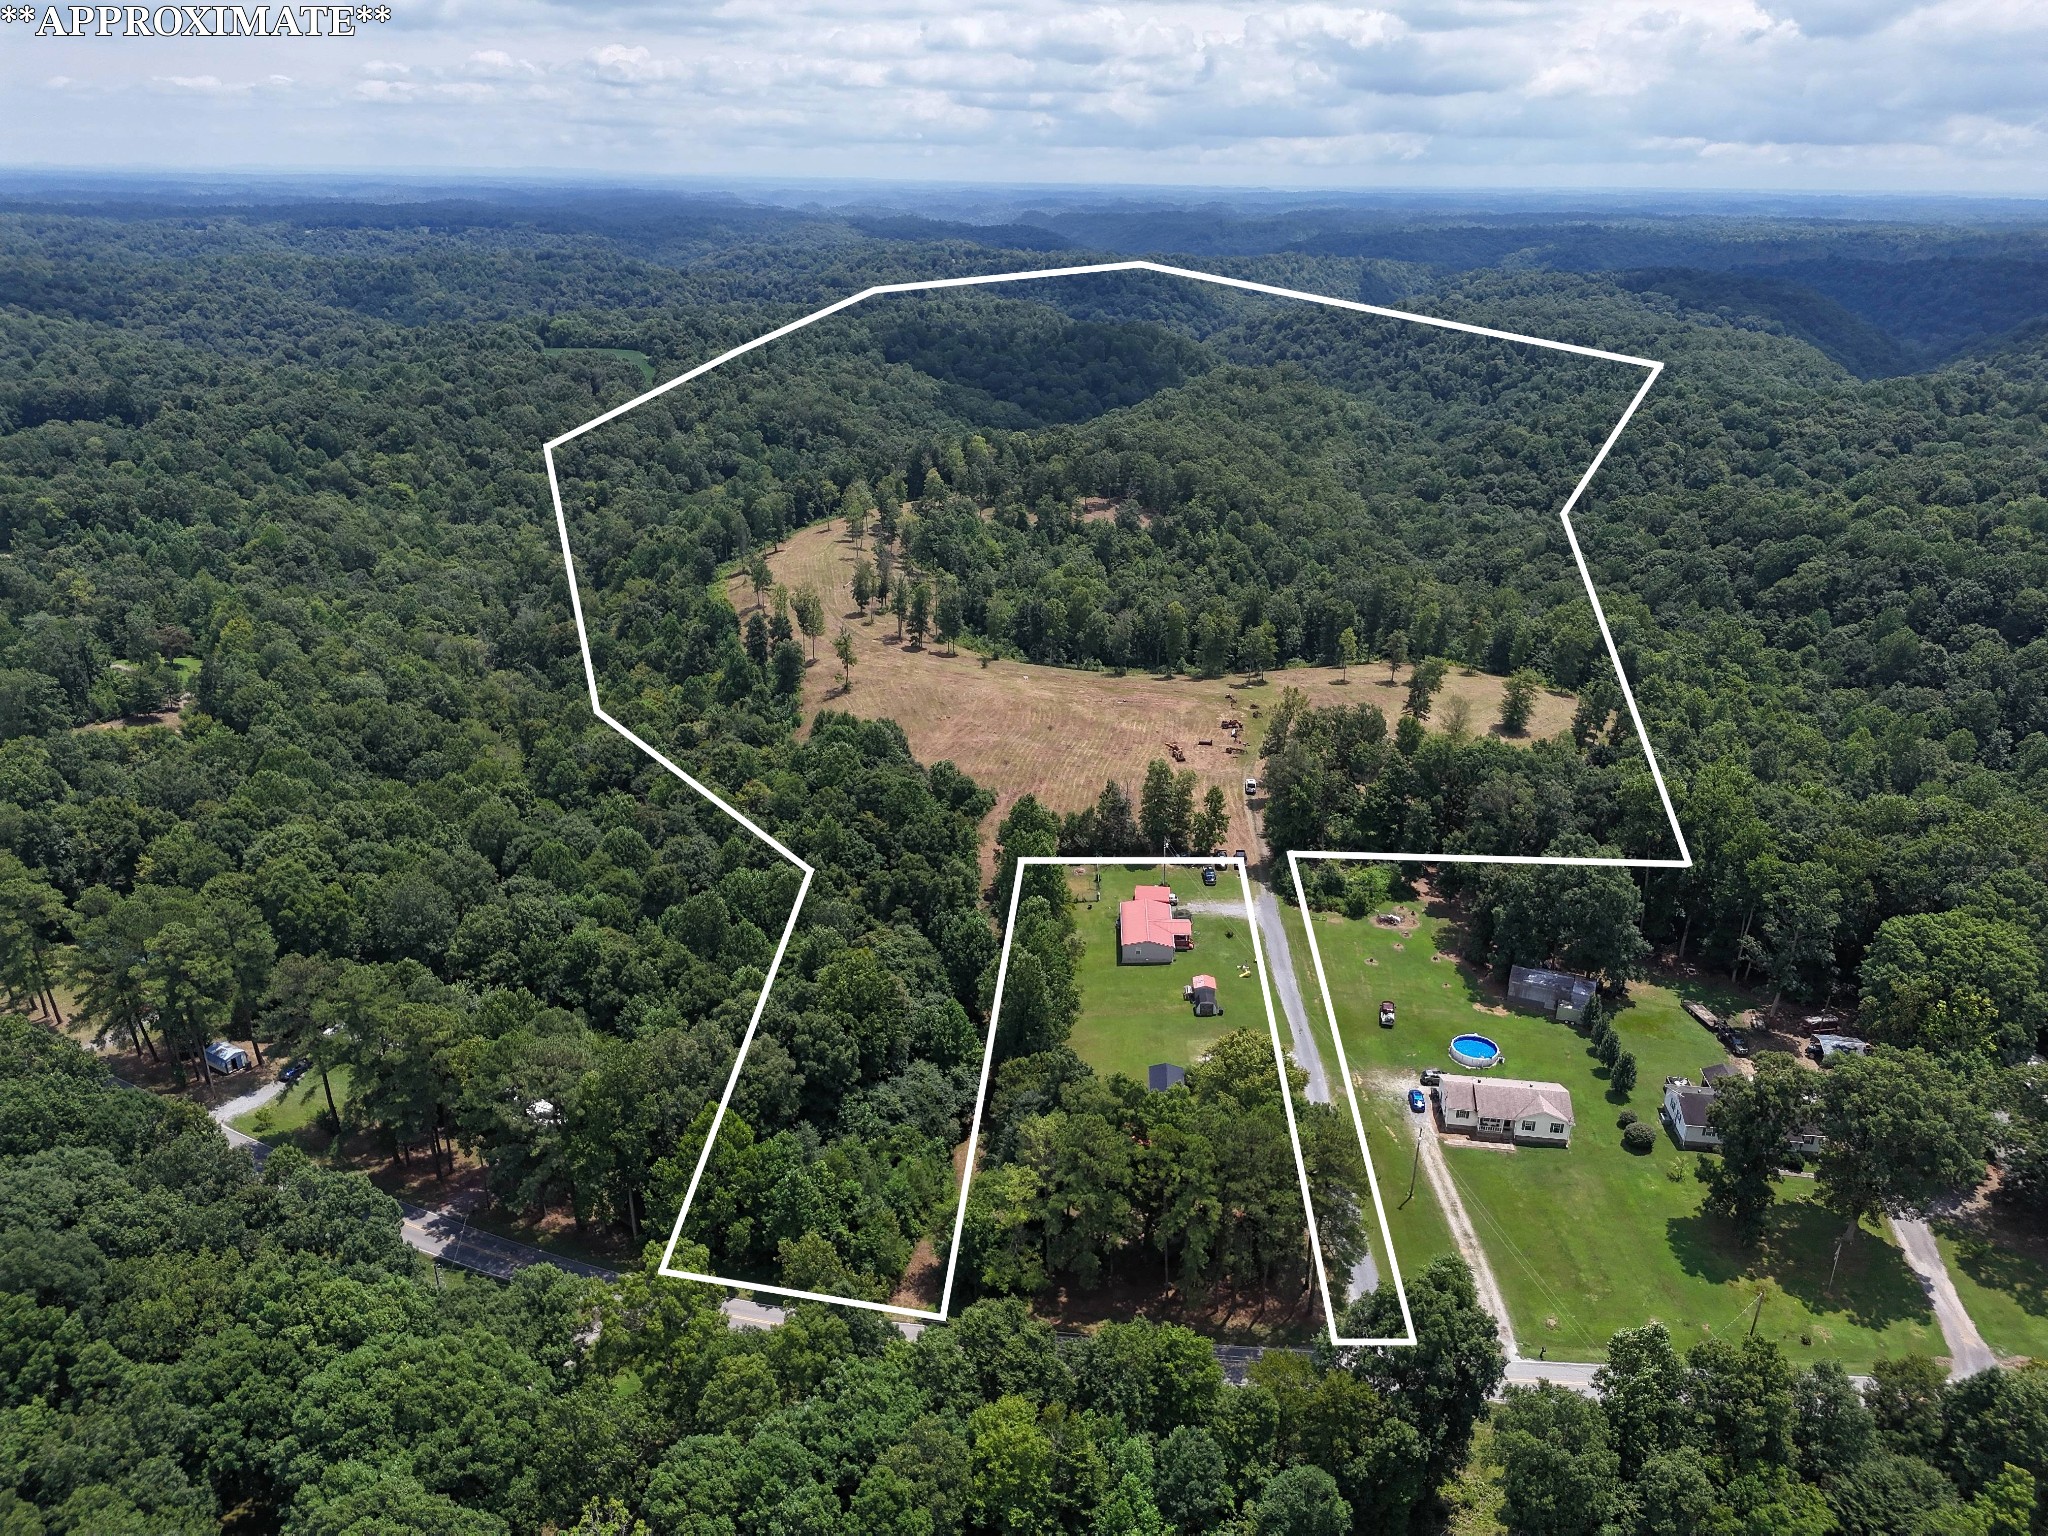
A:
x: 294, y: 747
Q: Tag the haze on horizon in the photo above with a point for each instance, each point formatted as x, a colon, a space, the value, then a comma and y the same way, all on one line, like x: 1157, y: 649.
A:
x: 1859, y: 96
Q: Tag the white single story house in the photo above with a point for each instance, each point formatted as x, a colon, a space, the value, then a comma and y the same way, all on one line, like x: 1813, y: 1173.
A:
x: 1506, y: 1109
x: 223, y: 1056
x: 1685, y: 1112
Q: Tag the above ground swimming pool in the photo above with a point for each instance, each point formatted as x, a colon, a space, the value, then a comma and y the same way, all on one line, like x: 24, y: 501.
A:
x: 1474, y: 1051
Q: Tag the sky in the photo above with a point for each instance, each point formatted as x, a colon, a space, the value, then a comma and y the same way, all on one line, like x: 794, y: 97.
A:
x: 1821, y: 95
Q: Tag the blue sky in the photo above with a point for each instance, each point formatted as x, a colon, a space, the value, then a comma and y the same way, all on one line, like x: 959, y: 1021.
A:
x: 1848, y: 95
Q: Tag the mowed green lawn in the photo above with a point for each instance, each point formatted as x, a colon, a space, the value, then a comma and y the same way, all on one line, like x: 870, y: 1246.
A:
x: 1590, y: 1239
x: 1414, y: 1220
x: 295, y: 1110
x: 2004, y: 1289
x: 1133, y: 1015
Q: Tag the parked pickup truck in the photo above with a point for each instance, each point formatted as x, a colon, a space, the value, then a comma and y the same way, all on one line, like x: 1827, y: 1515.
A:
x: 1386, y: 1014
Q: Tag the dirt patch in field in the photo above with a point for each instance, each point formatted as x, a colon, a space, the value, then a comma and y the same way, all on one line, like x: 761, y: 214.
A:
x: 1059, y: 733
x: 174, y: 717
x: 923, y: 1282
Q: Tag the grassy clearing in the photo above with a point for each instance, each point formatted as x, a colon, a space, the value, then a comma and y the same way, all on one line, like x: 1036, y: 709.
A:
x: 1133, y: 1015
x: 1590, y: 1239
x: 2004, y: 1285
x: 296, y: 1114
x: 1061, y: 731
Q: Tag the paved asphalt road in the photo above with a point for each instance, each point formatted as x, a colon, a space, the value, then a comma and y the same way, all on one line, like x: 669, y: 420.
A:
x: 447, y: 1236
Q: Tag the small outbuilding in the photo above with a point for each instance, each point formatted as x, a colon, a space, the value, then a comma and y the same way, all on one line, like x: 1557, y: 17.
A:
x: 222, y: 1056
x: 1560, y: 995
x: 1831, y: 1046
x: 1163, y: 1075
x: 1202, y: 993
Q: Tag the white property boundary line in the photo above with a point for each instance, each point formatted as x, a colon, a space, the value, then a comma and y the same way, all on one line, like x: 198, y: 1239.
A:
x: 1652, y: 369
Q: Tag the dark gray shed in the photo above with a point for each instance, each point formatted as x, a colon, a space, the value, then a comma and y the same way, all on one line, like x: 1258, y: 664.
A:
x: 1558, y: 994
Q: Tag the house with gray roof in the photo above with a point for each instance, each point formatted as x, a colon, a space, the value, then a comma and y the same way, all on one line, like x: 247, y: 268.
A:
x: 1506, y: 1109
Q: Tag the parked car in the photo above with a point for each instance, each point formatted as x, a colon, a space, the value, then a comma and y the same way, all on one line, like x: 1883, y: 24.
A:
x: 293, y: 1072
x: 1240, y: 855
x: 1431, y: 1077
x: 1416, y: 1101
x: 1251, y: 788
x: 1386, y: 1014
x: 1737, y: 1042
x: 1208, y: 877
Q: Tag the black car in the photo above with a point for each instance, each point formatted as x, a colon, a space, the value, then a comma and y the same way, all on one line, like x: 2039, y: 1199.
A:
x: 1208, y: 877
x: 1737, y: 1042
x: 292, y: 1073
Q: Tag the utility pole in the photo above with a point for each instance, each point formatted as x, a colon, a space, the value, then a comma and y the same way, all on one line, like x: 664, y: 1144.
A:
x: 1755, y: 1316
x: 1414, y: 1167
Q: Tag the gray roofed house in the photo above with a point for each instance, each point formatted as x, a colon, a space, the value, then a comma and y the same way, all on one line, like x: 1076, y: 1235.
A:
x: 1712, y: 1076
x: 1562, y: 996
x: 1506, y: 1109
x: 1685, y: 1112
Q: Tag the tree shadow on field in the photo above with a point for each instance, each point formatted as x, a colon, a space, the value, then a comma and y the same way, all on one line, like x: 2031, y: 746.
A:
x: 2000, y: 1269
x: 1872, y: 1287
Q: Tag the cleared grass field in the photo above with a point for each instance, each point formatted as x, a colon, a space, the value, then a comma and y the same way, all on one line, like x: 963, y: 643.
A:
x: 1133, y: 1015
x: 2002, y: 1277
x: 1590, y: 1239
x: 1414, y: 1220
x: 1059, y: 733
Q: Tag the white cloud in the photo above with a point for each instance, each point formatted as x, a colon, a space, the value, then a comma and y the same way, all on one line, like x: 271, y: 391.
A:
x: 204, y: 85
x: 617, y: 64
x: 1810, y: 92
x: 497, y: 64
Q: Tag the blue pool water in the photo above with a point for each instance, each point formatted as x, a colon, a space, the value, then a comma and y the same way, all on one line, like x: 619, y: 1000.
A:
x: 1474, y: 1051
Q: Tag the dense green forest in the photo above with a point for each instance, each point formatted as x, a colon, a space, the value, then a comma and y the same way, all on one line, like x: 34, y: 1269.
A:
x: 192, y: 1346
x: 295, y: 748
x: 1090, y: 1180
